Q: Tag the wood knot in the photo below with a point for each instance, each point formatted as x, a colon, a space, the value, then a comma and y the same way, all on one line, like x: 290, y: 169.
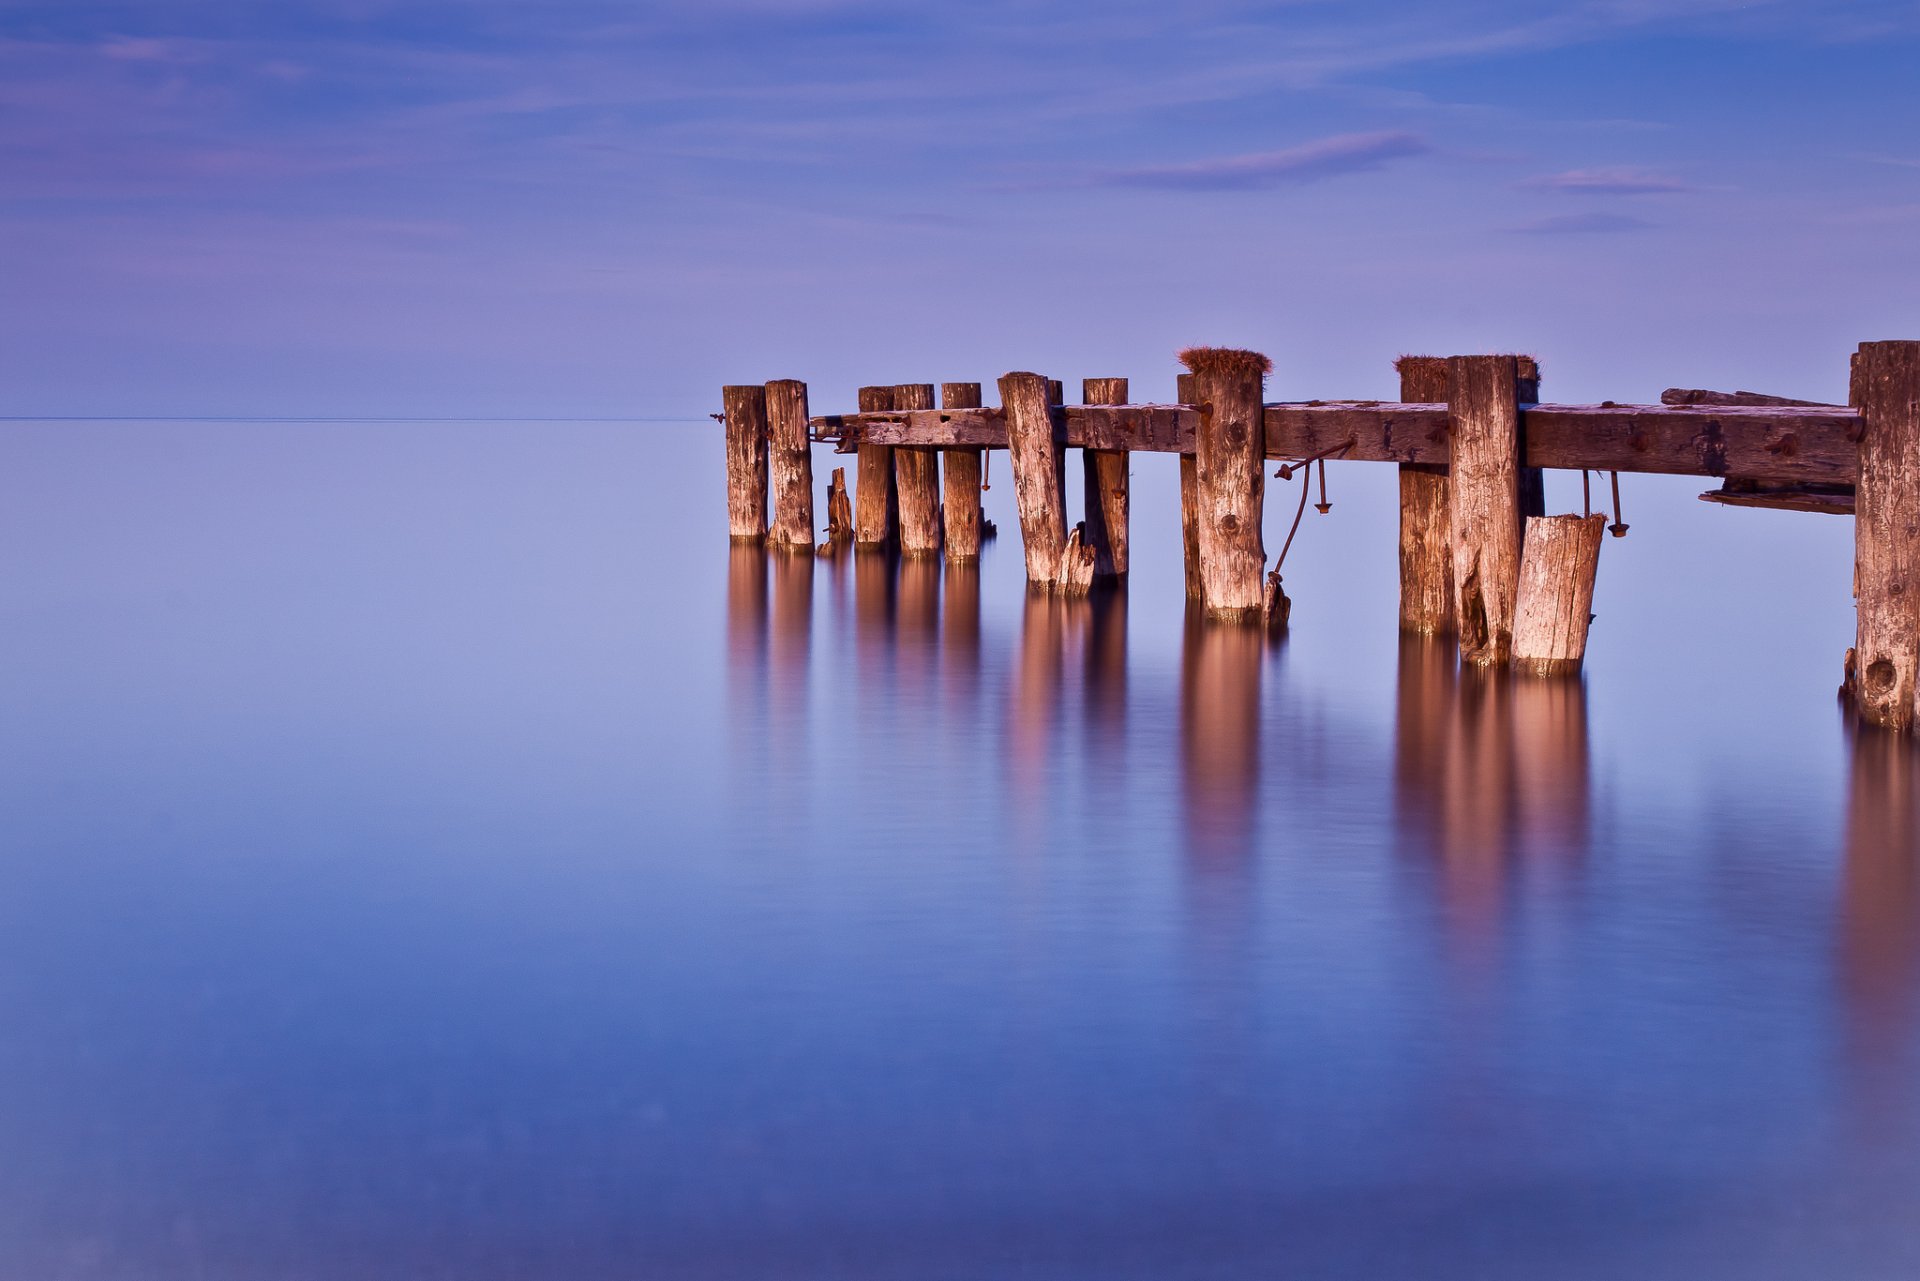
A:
x: 1879, y: 676
x: 1230, y: 523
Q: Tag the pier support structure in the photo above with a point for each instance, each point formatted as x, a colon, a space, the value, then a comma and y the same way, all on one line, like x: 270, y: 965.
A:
x: 1886, y: 565
x: 791, y: 454
x: 1230, y: 454
x: 876, y: 500
x: 1106, y: 487
x: 961, y: 507
x: 1056, y: 560
x: 745, y: 410
x: 917, y: 478
x: 1483, y: 409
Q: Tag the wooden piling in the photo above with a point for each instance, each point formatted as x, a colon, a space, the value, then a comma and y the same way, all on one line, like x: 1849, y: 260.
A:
x: 1886, y: 391
x: 839, y: 513
x: 1426, y: 548
x: 876, y: 500
x: 791, y: 454
x: 917, y: 475
x: 746, y: 420
x: 1055, y: 561
x: 1106, y: 488
x: 1533, y: 480
x: 1230, y: 459
x: 1554, y: 601
x: 1484, y: 419
x: 1189, y: 501
x: 962, y: 504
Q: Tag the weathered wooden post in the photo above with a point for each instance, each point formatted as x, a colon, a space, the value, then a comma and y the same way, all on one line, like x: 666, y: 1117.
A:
x: 1230, y: 461
x: 1886, y: 533
x: 917, y: 469
x: 1553, y: 604
x: 746, y: 415
x: 839, y: 513
x: 875, y: 498
x: 1189, y: 501
x: 1426, y: 548
x: 962, y: 505
x: 1054, y: 560
x: 1483, y: 410
x: 1106, y: 488
x: 792, y: 457
x: 1533, y: 480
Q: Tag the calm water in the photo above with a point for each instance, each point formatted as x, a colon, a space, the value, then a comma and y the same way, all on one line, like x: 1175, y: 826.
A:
x: 431, y: 853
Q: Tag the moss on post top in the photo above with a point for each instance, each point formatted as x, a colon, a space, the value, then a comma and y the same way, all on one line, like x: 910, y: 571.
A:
x: 1230, y: 361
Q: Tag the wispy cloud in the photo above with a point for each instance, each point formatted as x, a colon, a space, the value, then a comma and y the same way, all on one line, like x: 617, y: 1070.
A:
x: 1309, y: 162
x: 1608, y: 182
x: 1584, y: 225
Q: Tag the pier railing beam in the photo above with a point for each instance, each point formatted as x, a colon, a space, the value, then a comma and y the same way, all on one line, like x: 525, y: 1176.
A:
x: 1106, y: 488
x: 1426, y: 545
x: 1886, y: 391
x: 917, y: 475
x: 1230, y: 453
x: 1484, y: 419
x: 1189, y: 500
x: 1553, y: 607
x: 791, y: 453
x: 746, y: 414
x: 962, y: 503
x: 876, y: 500
x: 1055, y: 561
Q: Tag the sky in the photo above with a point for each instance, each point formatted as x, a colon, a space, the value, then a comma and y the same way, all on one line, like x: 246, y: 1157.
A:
x: 591, y: 208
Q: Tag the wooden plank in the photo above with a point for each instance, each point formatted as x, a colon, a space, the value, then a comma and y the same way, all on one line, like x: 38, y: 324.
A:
x: 1886, y: 387
x: 916, y: 470
x: 1055, y: 561
x: 961, y: 510
x: 791, y: 455
x: 1554, y: 604
x: 1105, y: 488
x: 1697, y: 396
x: 1831, y: 500
x: 746, y: 420
x: 1484, y: 405
x: 876, y: 501
x: 1230, y: 471
x: 1426, y: 549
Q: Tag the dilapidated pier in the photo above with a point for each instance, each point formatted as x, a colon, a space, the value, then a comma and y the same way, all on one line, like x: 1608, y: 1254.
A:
x: 1481, y: 562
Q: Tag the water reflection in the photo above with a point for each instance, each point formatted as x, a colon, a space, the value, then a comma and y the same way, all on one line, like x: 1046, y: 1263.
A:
x: 1879, y: 932
x: 1220, y: 737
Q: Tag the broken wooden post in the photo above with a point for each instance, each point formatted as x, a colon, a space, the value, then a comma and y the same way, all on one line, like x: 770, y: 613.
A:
x: 1554, y: 602
x: 1230, y: 478
x: 1055, y: 561
x: 876, y: 501
x: 1886, y: 532
x: 917, y: 473
x: 962, y: 505
x: 1426, y: 549
x: 1106, y: 487
x: 746, y: 420
x: 1483, y: 410
x: 791, y: 453
x: 1189, y: 501
x: 1533, y: 480
x: 839, y: 514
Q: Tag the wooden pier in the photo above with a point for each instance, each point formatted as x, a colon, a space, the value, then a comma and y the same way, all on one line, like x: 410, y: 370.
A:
x: 1480, y: 560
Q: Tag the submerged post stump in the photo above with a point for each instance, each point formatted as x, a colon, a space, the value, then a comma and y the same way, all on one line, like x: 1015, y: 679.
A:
x: 1106, y: 488
x: 1426, y: 546
x: 876, y: 500
x: 839, y: 514
x: 1886, y: 391
x: 792, y: 457
x: 746, y: 415
x: 962, y: 504
x: 1055, y: 561
x: 1484, y: 417
x: 917, y: 474
x: 1189, y: 501
x: 1559, y: 558
x: 1230, y: 476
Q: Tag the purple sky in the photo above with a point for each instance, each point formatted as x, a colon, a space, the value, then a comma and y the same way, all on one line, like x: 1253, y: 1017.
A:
x: 583, y: 207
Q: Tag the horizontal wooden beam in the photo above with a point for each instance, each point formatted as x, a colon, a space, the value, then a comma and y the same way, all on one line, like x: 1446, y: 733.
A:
x: 1784, y: 444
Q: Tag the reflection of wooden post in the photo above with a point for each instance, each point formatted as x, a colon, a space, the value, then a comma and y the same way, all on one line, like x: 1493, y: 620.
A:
x: 1484, y: 414
x: 746, y: 415
x: 1230, y: 457
x: 1220, y: 734
x: 960, y: 618
x: 1106, y: 689
x: 876, y: 500
x: 1426, y: 549
x: 1886, y: 532
x: 1105, y: 472
x: 1054, y: 561
x: 792, y: 457
x: 746, y: 601
x: 1554, y: 601
x: 962, y: 507
x: 917, y: 469
x: 1880, y: 903
x: 791, y: 635
x: 1189, y: 501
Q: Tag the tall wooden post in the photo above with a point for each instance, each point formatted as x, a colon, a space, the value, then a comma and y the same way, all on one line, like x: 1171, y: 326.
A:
x: 1106, y: 488
x: 1554, y: 601
x: 1230, y: 457
x: 1426, y: 548
x: 962, y: 505
x: 1189, y: 501
x: 876, y: 502
x: 1054, y: 561
x: 917, y: 472
x: 792, y: 458
x: 1484, y: 416
x: 1886, y: 533
x: 746, y: 415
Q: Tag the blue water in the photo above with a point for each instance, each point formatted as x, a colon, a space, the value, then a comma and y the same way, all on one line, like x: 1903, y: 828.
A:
x: 431, y: 852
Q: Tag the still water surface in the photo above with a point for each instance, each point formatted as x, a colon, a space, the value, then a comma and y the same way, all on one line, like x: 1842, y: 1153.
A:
x: 431, y: 852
